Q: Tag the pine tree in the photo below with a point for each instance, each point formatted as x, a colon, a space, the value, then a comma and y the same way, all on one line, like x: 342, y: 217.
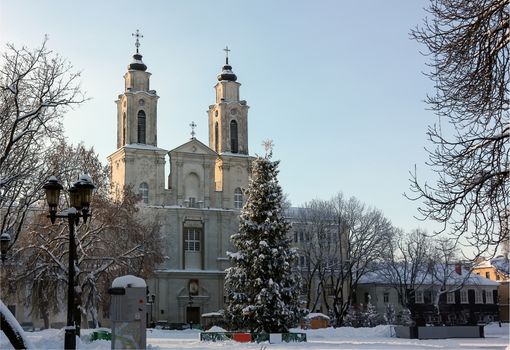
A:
x: 262, y: 289
x: 352, y: 317
x: 404, y: 318
x: 371, y: 317
x: 389, y: 314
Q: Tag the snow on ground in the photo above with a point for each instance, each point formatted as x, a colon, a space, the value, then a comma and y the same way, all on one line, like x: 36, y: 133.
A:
x: 345, y: 338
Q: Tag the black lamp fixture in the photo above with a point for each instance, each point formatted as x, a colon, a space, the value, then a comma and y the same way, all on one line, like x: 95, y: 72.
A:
x: 5, y: 239
x: 52, y: 188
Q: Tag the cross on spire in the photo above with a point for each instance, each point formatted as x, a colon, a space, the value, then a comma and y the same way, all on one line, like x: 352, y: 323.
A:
x: 193, y: 126
x: 226, y: 53
x: 138, y: 36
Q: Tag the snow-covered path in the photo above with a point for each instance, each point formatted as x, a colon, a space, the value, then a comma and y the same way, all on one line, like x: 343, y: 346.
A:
x: 346, y: 338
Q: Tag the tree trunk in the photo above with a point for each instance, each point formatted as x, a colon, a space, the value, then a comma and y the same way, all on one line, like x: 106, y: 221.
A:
x: 15, y: 337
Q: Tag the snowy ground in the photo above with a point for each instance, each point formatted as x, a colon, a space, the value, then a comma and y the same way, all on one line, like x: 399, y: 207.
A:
x: 340, y: 338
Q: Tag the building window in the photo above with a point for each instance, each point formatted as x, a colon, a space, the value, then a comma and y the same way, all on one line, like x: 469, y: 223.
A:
x: 497, y: 276
x: 234, y: 146
x: 329, y: 289
x: 124, y: 126
x: 238, y: 198
x: 302, y: 261
x: 419, y: 297
x: 478, y: 297
x: 143, y: 191
x: 192, y: 239
x: 488, y: 275
x: 450, y: 298
x: 464, y: 297
x: 295, y: 237
x: 141, y: 127
x: 489, y: 298
x: 386, y: 297
x: 216, y: 136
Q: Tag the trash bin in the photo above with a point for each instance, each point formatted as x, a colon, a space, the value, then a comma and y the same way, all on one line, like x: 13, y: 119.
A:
x: 127, y: 313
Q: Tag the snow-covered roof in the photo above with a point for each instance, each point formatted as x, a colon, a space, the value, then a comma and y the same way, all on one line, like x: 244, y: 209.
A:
x: 128, y: 281
x: 453, y: 278
x: 144, y: 147
x: 313, y: 315
x: 501, y: 264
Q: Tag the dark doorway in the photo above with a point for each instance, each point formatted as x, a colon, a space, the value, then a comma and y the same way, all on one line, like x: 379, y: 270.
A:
x: 193, y: 314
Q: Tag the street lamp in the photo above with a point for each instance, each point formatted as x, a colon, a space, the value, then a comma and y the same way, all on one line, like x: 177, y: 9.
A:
x: 5, y: 239
x: 150, y: 300
x: 79, y: 198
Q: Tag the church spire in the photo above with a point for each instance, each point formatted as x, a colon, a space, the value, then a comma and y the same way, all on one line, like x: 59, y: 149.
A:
x: 226, y: 71
x: 137, y: 63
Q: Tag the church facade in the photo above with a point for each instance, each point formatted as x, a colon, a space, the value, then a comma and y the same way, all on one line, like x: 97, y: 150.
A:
x: 197, y: 206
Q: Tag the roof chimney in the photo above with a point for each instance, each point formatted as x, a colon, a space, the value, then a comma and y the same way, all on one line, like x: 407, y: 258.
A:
x: 458, y: 268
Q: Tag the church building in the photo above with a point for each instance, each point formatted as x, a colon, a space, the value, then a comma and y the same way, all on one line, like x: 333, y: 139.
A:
x: 197, y: 206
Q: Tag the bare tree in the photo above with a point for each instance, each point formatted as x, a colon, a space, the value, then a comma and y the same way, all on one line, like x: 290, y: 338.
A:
x: 36, y: 88
x: 312, y: 227
x: 343, y: 238
x: 447, y: 273
x: 113, y: 242
x: 405, y: 265
x: 468, y: 45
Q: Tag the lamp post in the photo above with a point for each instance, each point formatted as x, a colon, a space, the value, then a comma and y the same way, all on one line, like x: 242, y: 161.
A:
x: 150, y: 300
x: 79, y: 198
x: 5, y: 239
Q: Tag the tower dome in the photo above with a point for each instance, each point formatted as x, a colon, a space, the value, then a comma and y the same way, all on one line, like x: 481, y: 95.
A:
x: 226, y: 73
x: 137, y: 63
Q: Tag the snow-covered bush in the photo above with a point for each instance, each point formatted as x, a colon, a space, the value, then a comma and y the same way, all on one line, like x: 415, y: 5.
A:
x: 404, y: 318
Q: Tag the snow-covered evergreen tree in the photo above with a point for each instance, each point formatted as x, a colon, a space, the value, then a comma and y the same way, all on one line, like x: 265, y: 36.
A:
x: 353, y: 317
x: 261, y: 286
x: 371, y: 317
x: 389, y: 314
x: 404, y: 318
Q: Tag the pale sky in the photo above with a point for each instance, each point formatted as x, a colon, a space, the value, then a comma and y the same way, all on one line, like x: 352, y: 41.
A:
x: 337, y: 85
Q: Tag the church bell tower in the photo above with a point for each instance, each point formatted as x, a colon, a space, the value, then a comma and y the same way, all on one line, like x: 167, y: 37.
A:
x: 138, y: 162
x: 228, y: 117
x: 137, y: 106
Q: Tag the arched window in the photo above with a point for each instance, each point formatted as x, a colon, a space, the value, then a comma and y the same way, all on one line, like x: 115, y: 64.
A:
x: 238, y: 198
x: 141, y: 127
x: 143, y: 191
x: 216, y: 136
x: 233, y: 137
x: 124, y: 129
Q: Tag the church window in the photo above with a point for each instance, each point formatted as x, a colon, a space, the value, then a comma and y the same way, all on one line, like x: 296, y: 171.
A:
x: 233, y: 137
x: 216, y: 137
x: 124, y: 129
x: 141, y: 127
x: 238, y: 198
x: 192, y: 239
x: 143, y: 191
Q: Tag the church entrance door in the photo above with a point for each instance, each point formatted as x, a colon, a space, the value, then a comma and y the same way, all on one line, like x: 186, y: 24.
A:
x: 193, y: 314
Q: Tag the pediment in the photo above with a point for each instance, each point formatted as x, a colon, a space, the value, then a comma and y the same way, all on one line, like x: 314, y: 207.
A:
x: 194, y: 146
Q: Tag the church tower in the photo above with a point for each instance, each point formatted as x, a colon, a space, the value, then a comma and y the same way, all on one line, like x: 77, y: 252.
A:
x: 137, y: 106
x: 228, y: 117
x: 138, y: 162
